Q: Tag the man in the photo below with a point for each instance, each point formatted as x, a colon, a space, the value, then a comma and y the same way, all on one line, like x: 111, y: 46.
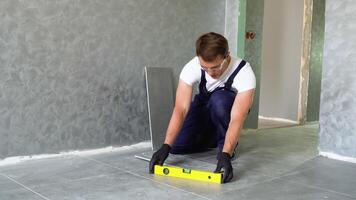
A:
x: 216, y: 115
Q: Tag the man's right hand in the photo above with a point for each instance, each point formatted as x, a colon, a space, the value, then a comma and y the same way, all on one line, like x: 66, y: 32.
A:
x: 224, y: 161
x: 159, y: 157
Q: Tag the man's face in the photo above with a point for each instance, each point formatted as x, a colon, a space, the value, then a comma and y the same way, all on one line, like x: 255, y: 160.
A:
x: 214, y: 68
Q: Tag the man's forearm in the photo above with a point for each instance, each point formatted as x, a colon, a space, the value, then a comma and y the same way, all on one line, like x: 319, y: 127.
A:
x: 232, y: 135
x: 174, y: 126
x: 239, y: 111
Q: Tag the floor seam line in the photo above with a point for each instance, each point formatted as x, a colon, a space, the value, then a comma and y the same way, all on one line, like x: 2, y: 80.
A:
x: 24, y: 186
x: 290, y: 172
x: 137, y: 175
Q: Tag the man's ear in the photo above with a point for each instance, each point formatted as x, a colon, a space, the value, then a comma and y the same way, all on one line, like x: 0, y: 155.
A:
x: 227, y: 54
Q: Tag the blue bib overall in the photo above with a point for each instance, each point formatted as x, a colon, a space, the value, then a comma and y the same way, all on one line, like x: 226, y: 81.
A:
x: 208, y: 118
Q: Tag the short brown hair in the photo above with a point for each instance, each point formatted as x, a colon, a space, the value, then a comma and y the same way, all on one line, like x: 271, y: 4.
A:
x: 210, y: 45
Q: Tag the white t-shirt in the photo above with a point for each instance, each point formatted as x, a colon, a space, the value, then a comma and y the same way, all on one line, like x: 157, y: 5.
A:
x: 243, y: 81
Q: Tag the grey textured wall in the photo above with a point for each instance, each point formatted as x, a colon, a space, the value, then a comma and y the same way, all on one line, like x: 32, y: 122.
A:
x: 338, y: 88
x: 231, y: 24
x: 71, y: 71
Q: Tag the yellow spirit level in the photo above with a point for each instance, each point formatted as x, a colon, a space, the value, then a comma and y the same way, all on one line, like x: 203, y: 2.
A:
x: 188, y: 173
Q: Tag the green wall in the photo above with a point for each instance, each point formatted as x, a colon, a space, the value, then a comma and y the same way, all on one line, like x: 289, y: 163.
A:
x: 316, y: 60
x: 253, y: 48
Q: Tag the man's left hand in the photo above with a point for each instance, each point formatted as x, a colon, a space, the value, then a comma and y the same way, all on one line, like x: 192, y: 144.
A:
x: 224, y: 161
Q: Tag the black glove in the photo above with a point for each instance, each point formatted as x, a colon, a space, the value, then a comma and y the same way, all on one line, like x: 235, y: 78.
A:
x: 224, y: 161
x: 159, y: 157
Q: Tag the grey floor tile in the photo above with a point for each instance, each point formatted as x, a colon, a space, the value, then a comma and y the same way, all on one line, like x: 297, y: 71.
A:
x: 114, y: 186
x: 265, y: 156
x: 6, y: 184
x: 274, y: 152
x: 207, y: 157
x: 209, y: 153
x: 280, y: 138
x: 280, y: 190
x: 327, y: 174
x: 316, y: 162
x: 242, y: 178
x: 187, y: 160
x: 19, y: 194
x: 56, y: 170
x: 177, y: 160
x: 129, y: 163
x: 9, y: 190
x: 269, y: 164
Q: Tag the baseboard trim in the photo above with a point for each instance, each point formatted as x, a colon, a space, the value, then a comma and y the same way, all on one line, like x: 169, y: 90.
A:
x: 337, y: 156
x: 19, y: 159
x: 278, y: 119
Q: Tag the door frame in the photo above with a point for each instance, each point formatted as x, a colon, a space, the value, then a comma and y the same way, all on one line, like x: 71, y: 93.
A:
x: 305, y: 56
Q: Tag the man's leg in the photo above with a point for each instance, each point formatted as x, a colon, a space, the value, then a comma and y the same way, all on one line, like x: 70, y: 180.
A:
x: 220, y: 104
x: 197, y: 131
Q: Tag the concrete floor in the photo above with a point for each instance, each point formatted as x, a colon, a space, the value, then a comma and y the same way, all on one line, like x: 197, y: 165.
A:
x: 273, y: 164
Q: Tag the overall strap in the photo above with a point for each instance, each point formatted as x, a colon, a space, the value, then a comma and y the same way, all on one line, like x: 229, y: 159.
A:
x: 229, y: 81
x: 202, y: 84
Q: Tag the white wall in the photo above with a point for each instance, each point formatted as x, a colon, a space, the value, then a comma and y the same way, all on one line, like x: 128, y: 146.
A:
x: 281, y: 53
